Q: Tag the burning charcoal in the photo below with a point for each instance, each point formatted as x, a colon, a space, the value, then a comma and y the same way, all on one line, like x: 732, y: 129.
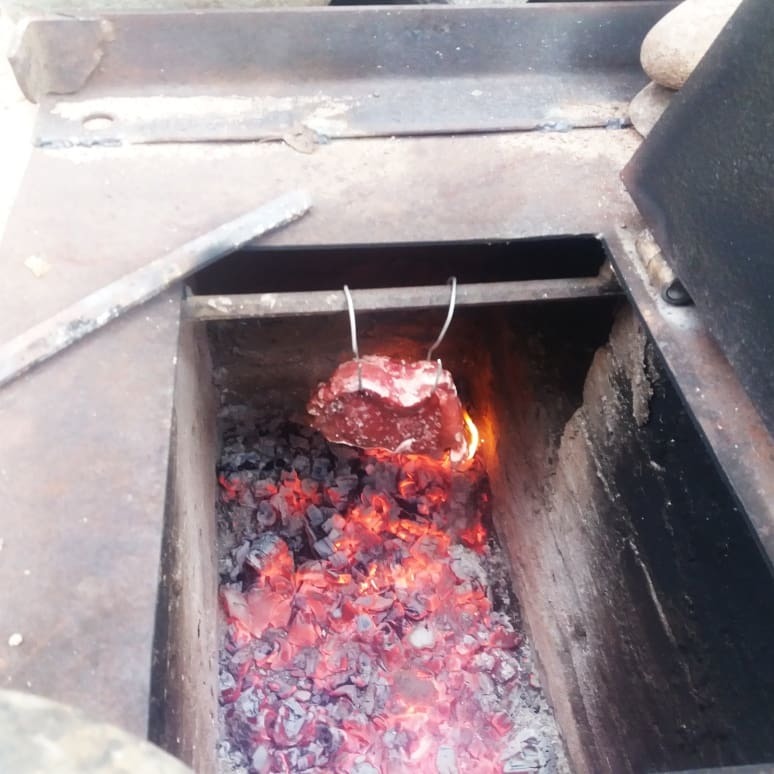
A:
x: 291, y: 719
x: 523, y: 753
x: 368, y: 703
x: 446, y: 760
x: 263, y: 488
x: 466, y: 565
x: 384, y: 651
x: 234, y: 603
x: 413, y: 687
x: 343, y: 485
x: 266, y: 446
x: 230, y: 759
x: 421, y: 638
x: 247, y: 461
x: 315, y: 515
x: 229, y: 691
x: 507, y: 668
x: 484, y: 661
x: 261, y: 760
x: 375, y: 603
x: 467, y: 645
x: 299, y: 442
x: 248, y: 703
x: 269, y: 555
x: 309, y: 487
x: 232, y: 564
x: 348, y: 691
x: 265, y: 516
x: 485, y: 683
x: 334, y: 523
x: 323, y: 548
x: 423, y: 506
x: 416, y: 609
x: 321, y: 467
x: 280, y: 504
x: 338, y: 560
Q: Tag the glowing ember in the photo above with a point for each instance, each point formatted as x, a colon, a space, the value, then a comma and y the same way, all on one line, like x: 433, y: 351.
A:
x: 361, y: 631
x: 473, y: 436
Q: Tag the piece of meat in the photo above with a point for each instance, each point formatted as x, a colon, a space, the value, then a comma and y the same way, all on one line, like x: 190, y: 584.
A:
x: 399, y: 408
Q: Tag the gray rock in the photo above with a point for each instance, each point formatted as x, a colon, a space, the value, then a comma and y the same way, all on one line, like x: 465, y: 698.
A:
x: 676, y: 44
x: 37, y: 734
x: 646, y: 108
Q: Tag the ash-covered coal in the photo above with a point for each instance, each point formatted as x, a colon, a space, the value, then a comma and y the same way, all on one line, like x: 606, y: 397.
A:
x: 363, y: 629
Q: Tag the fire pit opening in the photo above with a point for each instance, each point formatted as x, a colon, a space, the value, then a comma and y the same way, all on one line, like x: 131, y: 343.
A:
x: 581, y: 594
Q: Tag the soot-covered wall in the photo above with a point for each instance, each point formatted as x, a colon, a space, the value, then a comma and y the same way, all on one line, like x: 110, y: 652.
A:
x: 649, y: 603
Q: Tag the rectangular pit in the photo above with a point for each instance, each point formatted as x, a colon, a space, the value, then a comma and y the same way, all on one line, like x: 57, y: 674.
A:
x: 648, y: 604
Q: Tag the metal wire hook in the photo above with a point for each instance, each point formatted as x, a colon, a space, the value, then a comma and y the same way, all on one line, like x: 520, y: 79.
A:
x: 438, y: 371
x: 452, y: 301
x: 353, y: 334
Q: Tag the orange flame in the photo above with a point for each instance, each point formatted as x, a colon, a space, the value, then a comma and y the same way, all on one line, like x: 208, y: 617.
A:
x: 473, y: 435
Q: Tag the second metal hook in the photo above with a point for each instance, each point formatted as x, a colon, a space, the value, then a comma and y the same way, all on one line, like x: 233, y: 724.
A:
x: 353, y: 334
x: 452, y: 301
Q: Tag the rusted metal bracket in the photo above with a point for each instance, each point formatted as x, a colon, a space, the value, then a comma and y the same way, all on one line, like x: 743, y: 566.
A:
x: 252, y: 305
x: 268, y: 74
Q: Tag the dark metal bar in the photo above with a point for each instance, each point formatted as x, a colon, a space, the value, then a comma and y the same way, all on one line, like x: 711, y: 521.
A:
x: 250, y: 305
x: 97, y: 309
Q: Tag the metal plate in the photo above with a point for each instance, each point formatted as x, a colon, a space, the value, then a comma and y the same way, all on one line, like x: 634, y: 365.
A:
x: 704, y: 180
x: 338, y: 72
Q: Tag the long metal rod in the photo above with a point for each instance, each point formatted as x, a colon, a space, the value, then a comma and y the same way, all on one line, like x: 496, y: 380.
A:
x: 252, y: 305
x: 92, y: 312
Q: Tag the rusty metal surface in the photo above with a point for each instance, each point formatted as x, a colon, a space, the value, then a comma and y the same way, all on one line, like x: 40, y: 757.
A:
x: 712, y: 391
x: 82, y: 484
x: 251, y: 305
x: 343, y: 72
x: 367, y: 191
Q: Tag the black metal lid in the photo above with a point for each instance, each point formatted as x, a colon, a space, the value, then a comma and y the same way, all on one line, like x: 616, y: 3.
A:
x: 704, y: 181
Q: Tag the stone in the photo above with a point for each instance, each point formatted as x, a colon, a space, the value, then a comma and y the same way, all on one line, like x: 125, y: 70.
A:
x: 37, y: 734
x: 646, y: 108
x: 676, y: 44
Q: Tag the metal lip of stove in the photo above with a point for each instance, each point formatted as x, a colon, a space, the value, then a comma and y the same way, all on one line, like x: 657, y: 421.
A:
x: 343, y: 72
